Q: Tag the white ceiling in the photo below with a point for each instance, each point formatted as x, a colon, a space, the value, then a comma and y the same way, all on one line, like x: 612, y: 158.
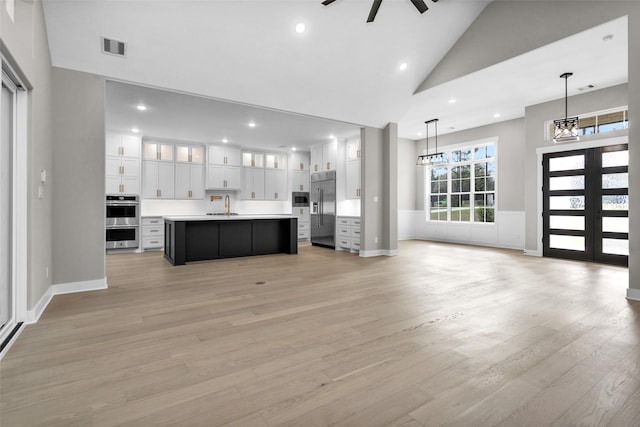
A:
x: 341, y: 68
x: 532, y: 78
x: 181, y: 117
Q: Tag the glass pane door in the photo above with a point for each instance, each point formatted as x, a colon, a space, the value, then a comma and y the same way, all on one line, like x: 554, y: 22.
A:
x: 585, y: 205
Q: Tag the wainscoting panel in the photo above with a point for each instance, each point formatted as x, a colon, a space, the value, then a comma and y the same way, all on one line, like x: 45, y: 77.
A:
x: 507, y: 232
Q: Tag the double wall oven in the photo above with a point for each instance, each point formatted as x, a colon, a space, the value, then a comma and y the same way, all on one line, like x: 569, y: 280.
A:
x: 122, y: 222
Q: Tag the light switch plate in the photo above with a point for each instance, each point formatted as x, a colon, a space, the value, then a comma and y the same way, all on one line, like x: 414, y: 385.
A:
x: 43, y: 175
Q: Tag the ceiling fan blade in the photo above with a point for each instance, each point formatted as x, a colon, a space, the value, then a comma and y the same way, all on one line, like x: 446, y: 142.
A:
x: 374, y: 10
x: 327, y: 2
x: 420, y: 5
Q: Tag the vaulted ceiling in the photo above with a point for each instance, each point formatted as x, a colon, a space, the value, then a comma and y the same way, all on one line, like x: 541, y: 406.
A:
x: 339, y: 68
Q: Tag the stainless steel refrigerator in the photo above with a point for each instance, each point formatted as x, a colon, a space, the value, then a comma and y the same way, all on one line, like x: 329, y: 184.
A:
x: 323, y: 209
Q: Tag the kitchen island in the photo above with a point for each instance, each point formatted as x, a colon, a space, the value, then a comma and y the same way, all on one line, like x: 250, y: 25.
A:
x: 204, y: 237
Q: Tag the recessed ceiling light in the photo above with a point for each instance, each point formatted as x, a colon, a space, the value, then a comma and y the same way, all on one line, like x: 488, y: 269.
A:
x: 332, y: 137
x: 252, y: 124
x: 496, y: 115
x: 607, y: 38
x: 225, y: 140
x: 300, y: 28
x: 403, y: 66
x: 293, y: 148
x: 135, y: 130
x: 141, y: 107
x: 419, y: 133
x: 452, y: 101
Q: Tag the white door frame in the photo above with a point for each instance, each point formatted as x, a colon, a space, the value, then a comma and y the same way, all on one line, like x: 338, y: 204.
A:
x: 19, y: 195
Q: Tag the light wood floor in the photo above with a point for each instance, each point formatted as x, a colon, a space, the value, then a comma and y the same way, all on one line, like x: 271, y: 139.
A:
x: 439, y: 335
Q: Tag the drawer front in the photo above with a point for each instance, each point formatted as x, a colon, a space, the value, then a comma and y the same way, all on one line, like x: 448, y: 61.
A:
x: 344, y: 242
x: 152, y: 230
x: 344, y: 231
x: 355, y: 233
x: 344, y: 222
x: 152, y: 221
x: 355, y: 221
x: 152, y: 242
x: 355, y: 244
x: 303, y: 234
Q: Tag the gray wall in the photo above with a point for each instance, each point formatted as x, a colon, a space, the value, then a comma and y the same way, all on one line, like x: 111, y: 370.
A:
x: 78, y: 209
x: 511, y: 143
x: 24, y: 43
x: 390, y: 182
x: 407, y: 170
x: 536, y: 116
x: 372, y: 211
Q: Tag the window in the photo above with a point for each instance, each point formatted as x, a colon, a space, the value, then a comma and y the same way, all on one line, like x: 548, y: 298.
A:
x: 462, y: 189
x: 602, y: 122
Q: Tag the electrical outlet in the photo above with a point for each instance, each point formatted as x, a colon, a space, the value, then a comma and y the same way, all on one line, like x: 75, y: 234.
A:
x: 40, y: 191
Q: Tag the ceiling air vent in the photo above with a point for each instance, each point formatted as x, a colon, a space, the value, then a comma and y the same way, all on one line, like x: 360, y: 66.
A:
x: 113, y: 47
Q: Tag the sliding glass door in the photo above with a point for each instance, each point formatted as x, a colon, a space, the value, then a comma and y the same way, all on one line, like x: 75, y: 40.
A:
x: 7, y: 291
x: 586, y: 204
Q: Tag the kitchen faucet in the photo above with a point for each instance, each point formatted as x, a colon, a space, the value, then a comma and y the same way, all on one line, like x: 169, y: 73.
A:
x: 227, y: 205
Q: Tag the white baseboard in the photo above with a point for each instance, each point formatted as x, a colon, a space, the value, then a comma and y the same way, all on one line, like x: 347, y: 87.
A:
x: 633, y: 294
x: 34, y: 314
x: 60, y: 289
x: 532, y: 252
x: 379, y: 252
x: 88, y: 285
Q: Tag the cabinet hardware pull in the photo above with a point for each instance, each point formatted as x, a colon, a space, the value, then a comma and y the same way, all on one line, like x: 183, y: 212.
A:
x: 121, y: 188
x: 275, y: 165
x: 301, y: 187
x: 276, y: 195
x: 253, y: 195
x: 358, y: 154
x: 190, y: 158
x: 315, y: 167
x: 158, y: 193
x: 301, y: 166
x: 328, y: 165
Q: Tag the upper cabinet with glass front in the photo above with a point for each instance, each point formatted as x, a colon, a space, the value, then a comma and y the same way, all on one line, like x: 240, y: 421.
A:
x: 154, y: 150
x: 190, y: 154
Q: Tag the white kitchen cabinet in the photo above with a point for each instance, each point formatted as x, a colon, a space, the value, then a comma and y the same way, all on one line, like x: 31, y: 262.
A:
x: 300, y: 161
x: 252, y: 159
x: 122, y: 164
x: 158, y: 179
x: 253, y: 184
x: 329, y: 154
x: 353, y: 180
x: 300, y: 180
x: 223, y: 178
x: 122, y: 145
x: 189, y: 181
x: 275, y: 161
x: 304, y: 222
x: 190, y: 154
x: 353, y: 149
x: 348, y: 233
x: 323, y: 156
x: 152, y: 232
x: 316, y: 158
x: 224, y: 155
x: 161, y: 151
x: 275, y: 185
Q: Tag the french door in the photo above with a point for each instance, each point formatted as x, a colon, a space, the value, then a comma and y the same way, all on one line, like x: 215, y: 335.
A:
x: 586, y: 204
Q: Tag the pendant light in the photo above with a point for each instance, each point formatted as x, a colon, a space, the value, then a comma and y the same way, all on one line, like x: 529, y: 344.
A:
x: 429, y: 159
x: 566, y: 129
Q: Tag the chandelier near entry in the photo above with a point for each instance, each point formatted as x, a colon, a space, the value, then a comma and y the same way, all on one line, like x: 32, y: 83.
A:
x: 566, y: 129
x: 429, y: 159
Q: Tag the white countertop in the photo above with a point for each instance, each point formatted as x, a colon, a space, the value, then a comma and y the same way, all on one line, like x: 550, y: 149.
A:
x: 223, y: 217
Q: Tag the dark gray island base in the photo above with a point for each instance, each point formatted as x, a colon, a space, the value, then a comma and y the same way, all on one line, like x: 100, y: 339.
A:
x: 199, y: 238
